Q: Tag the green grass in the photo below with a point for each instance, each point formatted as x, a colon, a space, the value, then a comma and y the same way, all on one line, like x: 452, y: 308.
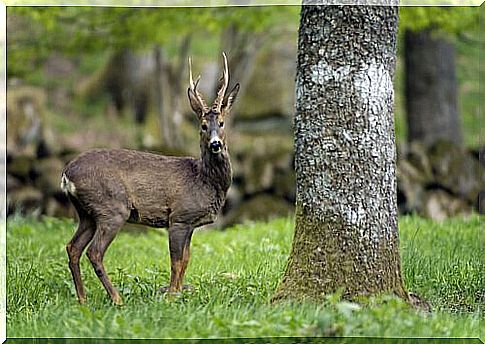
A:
x: 234, y: 274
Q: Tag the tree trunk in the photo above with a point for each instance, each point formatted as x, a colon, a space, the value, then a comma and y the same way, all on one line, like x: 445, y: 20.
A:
x: 162, y: 97
x: 431, y: 89
x: 126, y: 82
x: 241, y: 48
x: 169, y: 92
x: 179, y: 83
x: 346, y: 236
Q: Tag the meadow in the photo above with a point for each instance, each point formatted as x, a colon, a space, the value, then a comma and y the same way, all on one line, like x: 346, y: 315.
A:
x: 234, y: 273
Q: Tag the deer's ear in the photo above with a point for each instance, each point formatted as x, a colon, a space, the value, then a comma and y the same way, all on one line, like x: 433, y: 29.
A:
x: 195, y: 103
x: 230, y: 99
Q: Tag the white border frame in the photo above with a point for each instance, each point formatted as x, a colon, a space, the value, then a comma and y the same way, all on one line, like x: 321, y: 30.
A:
x: 128, y: 3
x: 3, y: 173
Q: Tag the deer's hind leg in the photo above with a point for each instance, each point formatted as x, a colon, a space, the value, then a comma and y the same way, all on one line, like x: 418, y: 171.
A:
x: 106, y: 229
x: 75, y: 248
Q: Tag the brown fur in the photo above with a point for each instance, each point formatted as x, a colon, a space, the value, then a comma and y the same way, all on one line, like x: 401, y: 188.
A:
x: 109, y: 187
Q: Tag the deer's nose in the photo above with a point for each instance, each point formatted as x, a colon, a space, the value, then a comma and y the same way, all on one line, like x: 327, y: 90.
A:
x: 215, y: 145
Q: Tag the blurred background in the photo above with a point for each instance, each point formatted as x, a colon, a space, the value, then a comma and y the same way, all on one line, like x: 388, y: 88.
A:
x: 84, y: 77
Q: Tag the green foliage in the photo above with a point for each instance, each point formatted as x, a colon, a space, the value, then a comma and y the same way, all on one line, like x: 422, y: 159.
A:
x: 92, y: 33
x: 452, y: 20
x: 37, y: 31
x: 234, y: 274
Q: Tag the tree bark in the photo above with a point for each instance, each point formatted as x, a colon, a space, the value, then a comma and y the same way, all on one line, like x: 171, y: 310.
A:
x: 346, y: 236
x: 431, y: 89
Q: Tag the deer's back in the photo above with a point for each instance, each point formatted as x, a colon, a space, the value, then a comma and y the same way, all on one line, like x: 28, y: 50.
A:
x: 151, y: 186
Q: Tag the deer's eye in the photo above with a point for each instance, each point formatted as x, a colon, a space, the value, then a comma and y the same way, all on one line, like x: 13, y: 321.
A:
x: 204, y: 127
x: 221, y: 124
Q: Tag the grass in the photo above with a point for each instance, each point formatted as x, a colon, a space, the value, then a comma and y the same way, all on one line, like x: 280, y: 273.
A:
x: 234, y: 274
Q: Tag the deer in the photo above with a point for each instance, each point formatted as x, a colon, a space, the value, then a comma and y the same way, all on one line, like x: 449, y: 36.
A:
x: 109, y: 187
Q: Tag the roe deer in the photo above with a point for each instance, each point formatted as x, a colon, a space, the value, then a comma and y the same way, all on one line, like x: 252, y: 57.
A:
x: 109, y: 187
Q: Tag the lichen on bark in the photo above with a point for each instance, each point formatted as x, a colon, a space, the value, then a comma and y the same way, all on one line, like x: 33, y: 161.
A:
x: 346, y: 234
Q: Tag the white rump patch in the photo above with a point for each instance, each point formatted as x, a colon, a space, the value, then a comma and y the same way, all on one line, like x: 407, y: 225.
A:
x: 67, y: 186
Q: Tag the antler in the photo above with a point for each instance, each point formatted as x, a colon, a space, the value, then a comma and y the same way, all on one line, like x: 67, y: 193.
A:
x: 193, y: 88
x: 224, y: 81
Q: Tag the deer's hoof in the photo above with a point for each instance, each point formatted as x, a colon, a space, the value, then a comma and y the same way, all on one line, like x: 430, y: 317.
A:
x: 118, y: 301
x: 82, y: 300
x: 166, y: 289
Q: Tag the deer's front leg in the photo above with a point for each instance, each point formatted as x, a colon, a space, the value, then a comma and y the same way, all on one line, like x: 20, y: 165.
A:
x: 179, y: 236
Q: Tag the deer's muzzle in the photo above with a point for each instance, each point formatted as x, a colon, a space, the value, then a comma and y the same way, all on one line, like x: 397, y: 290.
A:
x: 215, y: 143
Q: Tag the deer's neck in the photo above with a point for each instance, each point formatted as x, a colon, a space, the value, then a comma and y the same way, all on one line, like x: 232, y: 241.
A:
x: 216, y: 169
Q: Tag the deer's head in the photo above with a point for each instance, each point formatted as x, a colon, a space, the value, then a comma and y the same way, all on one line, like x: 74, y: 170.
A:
x: 212, y: 118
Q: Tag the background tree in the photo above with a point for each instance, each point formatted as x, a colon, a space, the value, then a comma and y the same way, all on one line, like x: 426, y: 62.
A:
x: 130, y: 79
x: 137, y: 57
x: 168, y: 35
x: 346, y: 235
x: 431, y: 88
